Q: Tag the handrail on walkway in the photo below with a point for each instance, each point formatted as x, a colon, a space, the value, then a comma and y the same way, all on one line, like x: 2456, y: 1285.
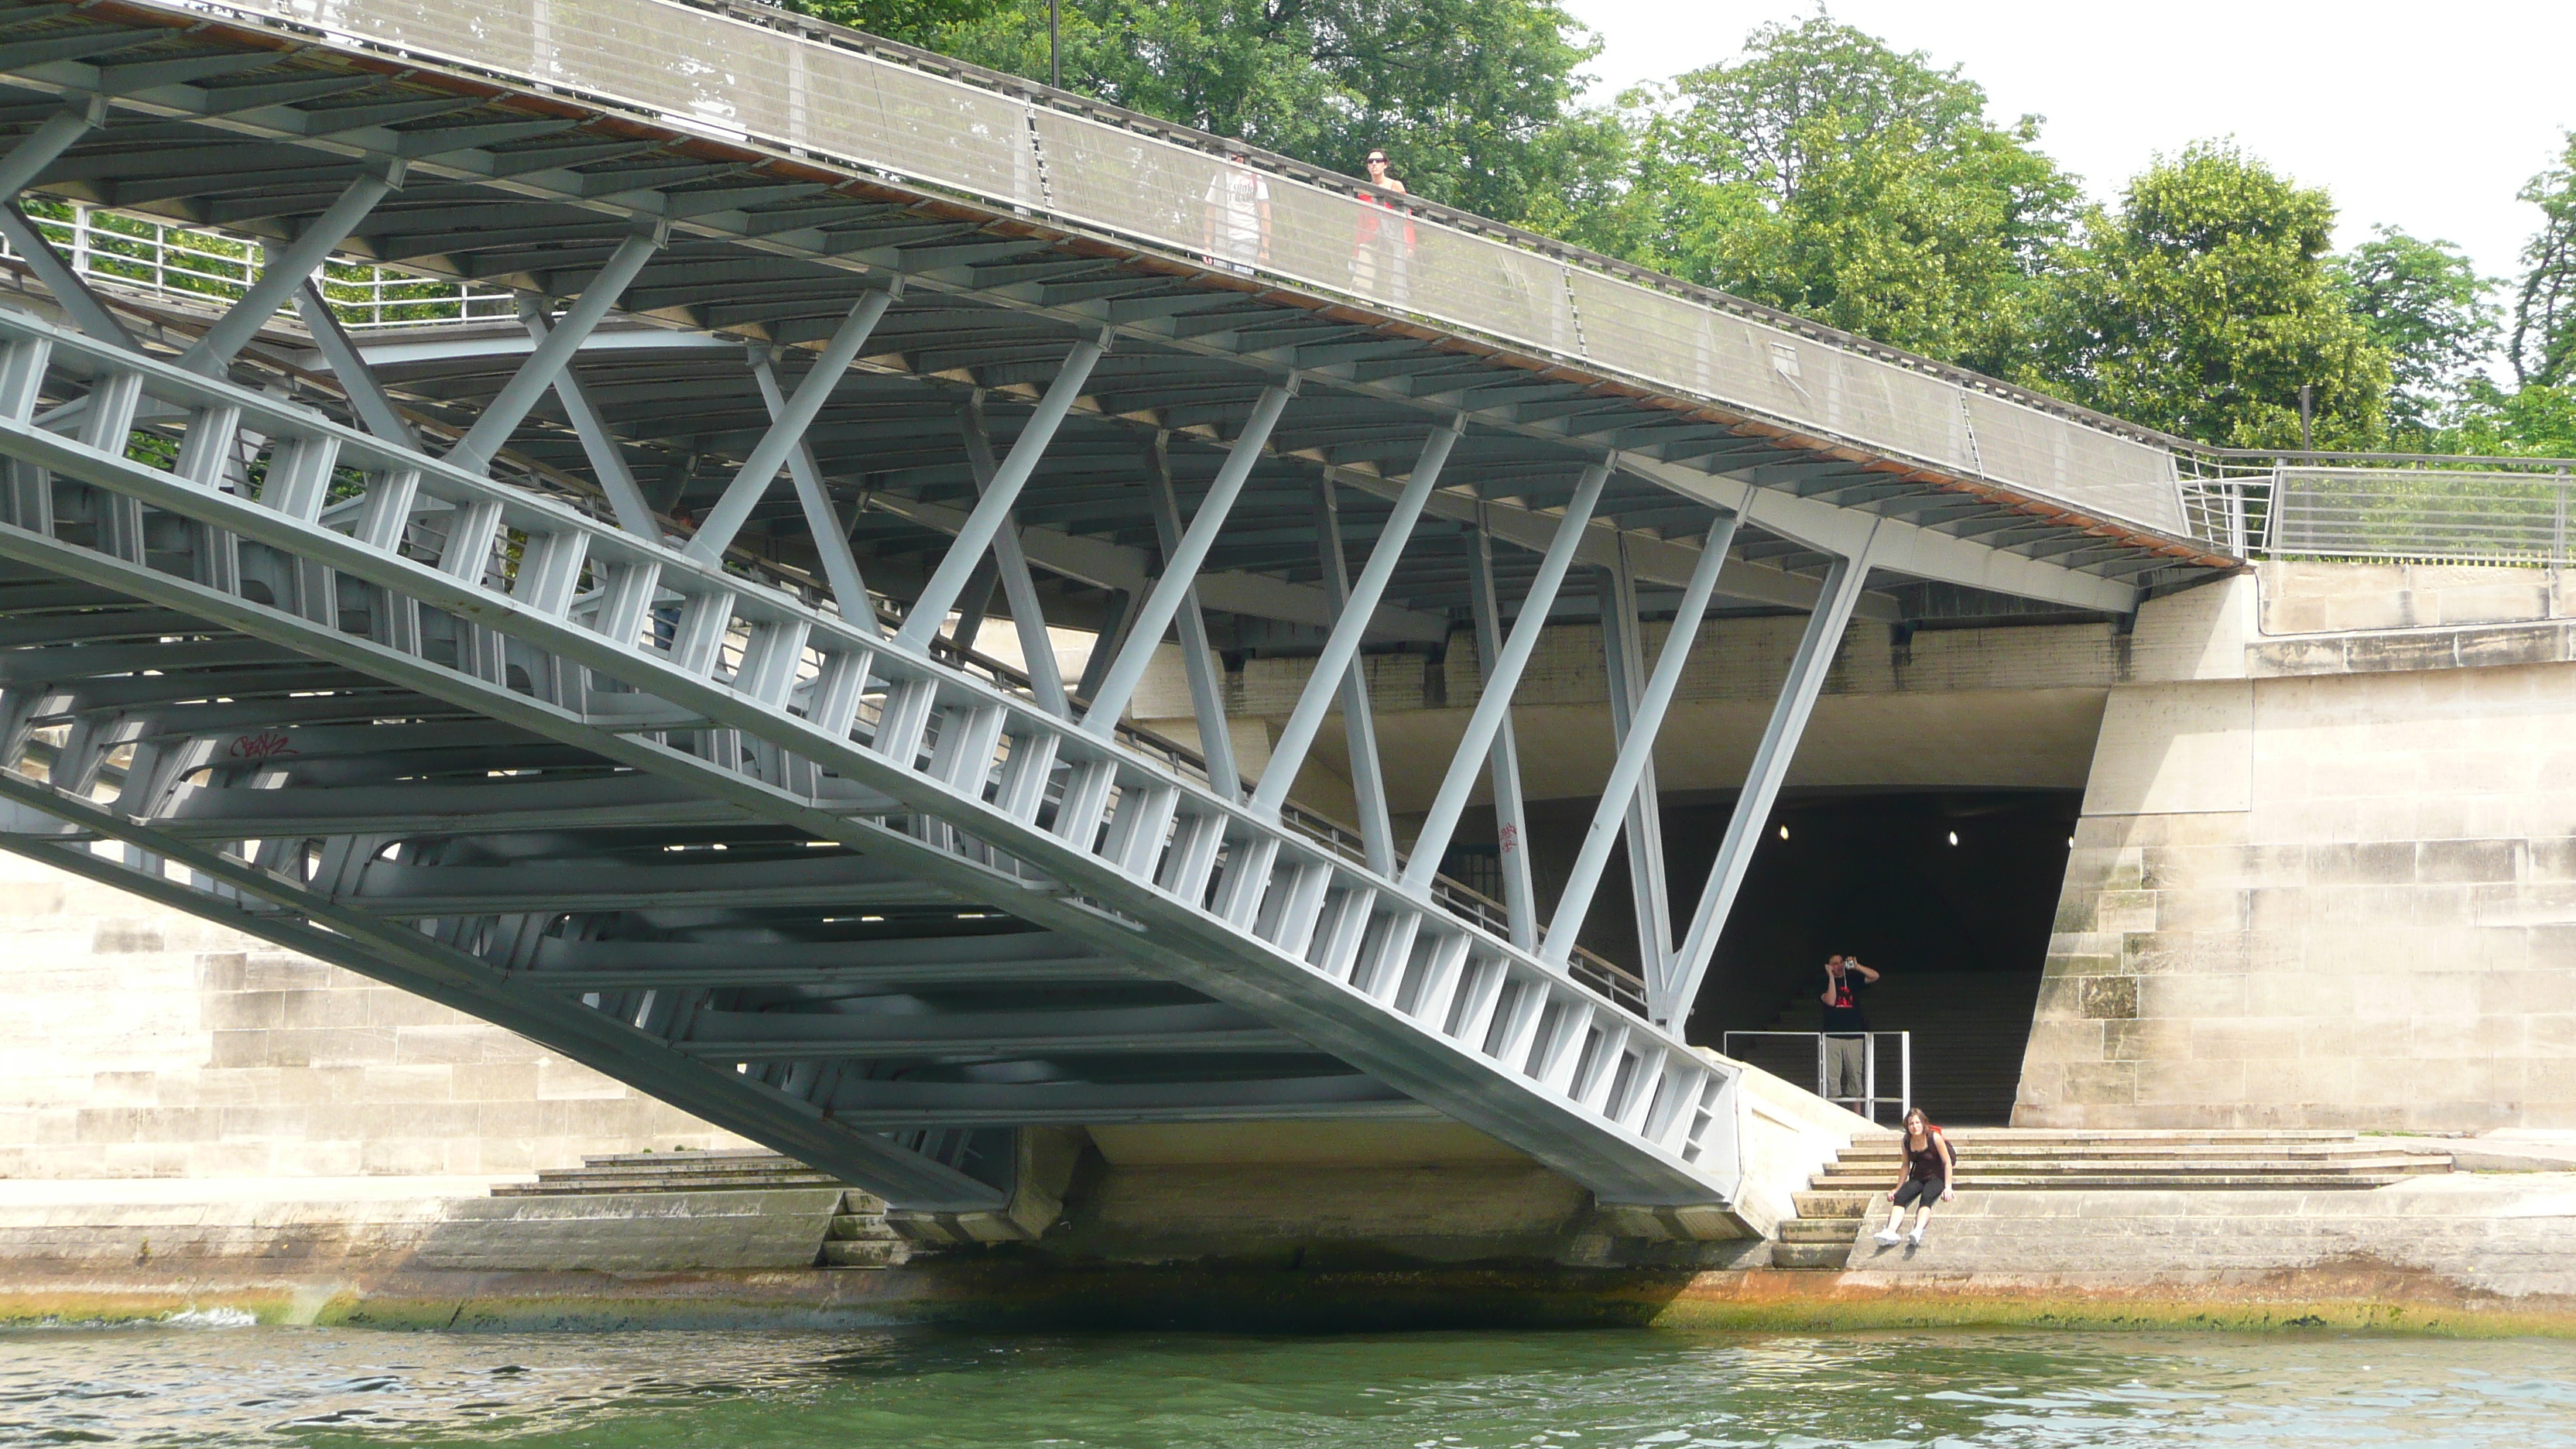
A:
x: 1868, y: 1102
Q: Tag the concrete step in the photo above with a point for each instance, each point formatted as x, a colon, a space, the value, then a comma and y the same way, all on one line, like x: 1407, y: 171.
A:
x: 1846, y: 1205
x: 1820, y: 1230
x: 862, y: 1252
x: 2180, y: 1150
x: 585, y: 1183
x: 859, y: 1227
x: 2157, y: 1182
x: 1831, y: 1256
x: 1970, y: 1166
x: 2130, y: 1134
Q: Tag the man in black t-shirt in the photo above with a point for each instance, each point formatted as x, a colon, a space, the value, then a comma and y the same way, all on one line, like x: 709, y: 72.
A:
x: 1846, y: 1050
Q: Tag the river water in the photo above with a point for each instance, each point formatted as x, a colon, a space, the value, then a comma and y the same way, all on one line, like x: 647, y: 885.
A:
x: 210, y: 1383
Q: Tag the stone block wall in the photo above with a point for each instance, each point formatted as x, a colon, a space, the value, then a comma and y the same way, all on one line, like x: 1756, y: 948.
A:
x: 145, y: 1043
x: 2337, y: 889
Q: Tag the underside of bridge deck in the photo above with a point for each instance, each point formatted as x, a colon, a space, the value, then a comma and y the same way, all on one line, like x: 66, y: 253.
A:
x: 597, y: 669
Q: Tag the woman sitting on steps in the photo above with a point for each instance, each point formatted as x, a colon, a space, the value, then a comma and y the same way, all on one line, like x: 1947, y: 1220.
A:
x: 1929, y: 1167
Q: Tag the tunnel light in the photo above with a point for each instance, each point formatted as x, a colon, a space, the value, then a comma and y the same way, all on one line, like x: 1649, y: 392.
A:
x: 1954, y: 837
x: 1784, y: 832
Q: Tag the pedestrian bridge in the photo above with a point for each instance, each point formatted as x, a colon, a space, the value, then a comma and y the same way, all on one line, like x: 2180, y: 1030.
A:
x: 528, y: 548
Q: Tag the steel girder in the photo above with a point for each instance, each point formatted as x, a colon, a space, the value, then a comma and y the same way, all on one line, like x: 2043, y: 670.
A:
x: 703, y: 762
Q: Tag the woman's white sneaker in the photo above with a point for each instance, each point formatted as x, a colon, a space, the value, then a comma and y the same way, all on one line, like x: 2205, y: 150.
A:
x: 1915, y: 1237
x: 1886, y: 1237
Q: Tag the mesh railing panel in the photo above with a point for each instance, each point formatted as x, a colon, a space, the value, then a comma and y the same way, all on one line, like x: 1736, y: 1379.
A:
x: 2419, y: 513
x: 2092, y: 470
x: 715, y: 73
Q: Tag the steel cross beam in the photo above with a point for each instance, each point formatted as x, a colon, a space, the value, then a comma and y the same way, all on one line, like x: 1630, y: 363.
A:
x: 607, y: 461
x: 940, y: 594
x: 1494, y: 705
x: 1631, y: 775
x: 1511, y: 812
x: 823, y: 522
x: 1207, y: 692
x: 1623, y: 650
x: 1342, y: 646
x: 751, y: 698
x: 1669, y: 999
x: 1359, y: 721
x: 716, y: 532
x: 1028, y: 619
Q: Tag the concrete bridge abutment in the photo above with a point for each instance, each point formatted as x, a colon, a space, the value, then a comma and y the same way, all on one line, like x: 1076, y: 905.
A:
x: 2326, y: 871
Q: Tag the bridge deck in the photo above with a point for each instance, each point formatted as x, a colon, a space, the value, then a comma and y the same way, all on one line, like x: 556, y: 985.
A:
x: 487, y: 659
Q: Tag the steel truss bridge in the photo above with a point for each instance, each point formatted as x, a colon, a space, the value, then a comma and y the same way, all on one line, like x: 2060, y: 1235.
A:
x: 597, y: 672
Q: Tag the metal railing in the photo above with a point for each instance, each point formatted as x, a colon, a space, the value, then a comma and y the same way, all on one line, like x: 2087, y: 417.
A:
x: 739, y: 73
x: 2384, y: 507
x: 1870, y: 1099
x: 180, y: 263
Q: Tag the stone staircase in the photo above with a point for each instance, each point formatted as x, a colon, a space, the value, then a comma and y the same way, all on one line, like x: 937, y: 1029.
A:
x: 856, y: 1236
x: 670, y: 1172
x: 1852, y: 1190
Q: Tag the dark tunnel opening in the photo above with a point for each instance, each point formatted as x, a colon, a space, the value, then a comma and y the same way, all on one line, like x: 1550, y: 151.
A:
x: 1959, y: 931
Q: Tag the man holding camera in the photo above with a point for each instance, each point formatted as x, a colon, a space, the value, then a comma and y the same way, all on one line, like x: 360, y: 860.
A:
x: 1846, y: 1044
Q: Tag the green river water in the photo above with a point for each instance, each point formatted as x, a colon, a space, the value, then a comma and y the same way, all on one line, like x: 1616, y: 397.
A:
x: 216, y: 1384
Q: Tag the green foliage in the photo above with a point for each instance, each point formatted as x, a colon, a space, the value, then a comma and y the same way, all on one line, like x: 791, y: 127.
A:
x: 2532, y: 421
x: 913, y: 22
x: 2422, y: 303
x: 1473, y: 100
x: 1825, y: 174
x: 2204, y: 304
x: 2543, y: 345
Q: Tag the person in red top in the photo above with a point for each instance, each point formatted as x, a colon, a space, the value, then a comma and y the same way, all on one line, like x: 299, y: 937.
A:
x: 1929, y: 1167
x: 1382, y: 260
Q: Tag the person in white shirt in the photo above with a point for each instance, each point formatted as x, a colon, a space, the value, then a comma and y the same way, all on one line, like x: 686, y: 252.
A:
x: 1237, y: 232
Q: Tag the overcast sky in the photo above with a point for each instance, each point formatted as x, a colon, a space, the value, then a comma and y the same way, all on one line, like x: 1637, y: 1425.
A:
x: 2427, y: 117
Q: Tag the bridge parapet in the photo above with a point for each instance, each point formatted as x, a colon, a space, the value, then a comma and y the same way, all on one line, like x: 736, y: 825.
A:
x: 862, y: 102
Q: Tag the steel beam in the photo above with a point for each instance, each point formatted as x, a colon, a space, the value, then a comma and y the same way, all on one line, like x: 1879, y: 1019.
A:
x: 549, y: 357
x: 1342, y: 646
x: 1494, y: 705
x: 70, y: 291
x: 716, y: 531
x: 1019, y: 587
x: 1198, y: 664
x: 1154, y: 616
x: 827, y: 531
x: 1511, y: 812
x: 1632, y: 775
x: 278, y: 279
x: 930, y: 611
x: 1623, y: 651
x: 1669, y: 1000
x: 607, y: 458
x: 367, y: 397
x: 1359, y: 722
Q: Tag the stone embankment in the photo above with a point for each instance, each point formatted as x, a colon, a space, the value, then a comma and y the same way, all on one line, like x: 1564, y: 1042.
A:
x: 2233, y: 1230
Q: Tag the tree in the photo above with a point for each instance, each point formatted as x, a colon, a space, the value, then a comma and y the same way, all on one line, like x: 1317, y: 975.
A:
x: 2424, y: 304
x: 913, y: 22
x: 2204, y: 305
x: 2543, y: 345
x: 1826, y: 174
x: 1473, y: 100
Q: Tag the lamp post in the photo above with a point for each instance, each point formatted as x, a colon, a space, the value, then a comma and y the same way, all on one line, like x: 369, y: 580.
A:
x: 1055, y: 50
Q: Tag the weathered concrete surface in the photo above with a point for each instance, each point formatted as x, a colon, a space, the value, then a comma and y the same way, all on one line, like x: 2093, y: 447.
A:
x: 2327, y: 880
x: 2470, y: 1236
x: 144, y: 1043
x: 2473, y: 1254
